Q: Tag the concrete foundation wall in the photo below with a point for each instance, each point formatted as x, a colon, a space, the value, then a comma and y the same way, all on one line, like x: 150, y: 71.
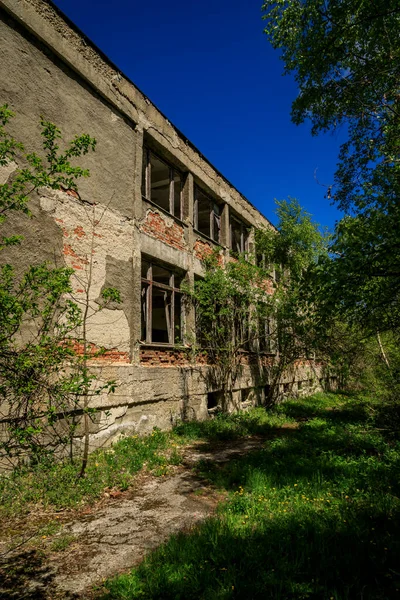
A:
x: 49, y: 68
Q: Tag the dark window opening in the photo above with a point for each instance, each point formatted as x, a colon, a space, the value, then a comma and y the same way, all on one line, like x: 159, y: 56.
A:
x: 267, y: 392
x: 162, y: 310
x: 245, y: 395
x: 286, y: 388
x: 161, y: 316
x: 239, y: 236
x: 212, y: 400
x: 161, y: 183
x: 299, y: 385
x: 207, y: 216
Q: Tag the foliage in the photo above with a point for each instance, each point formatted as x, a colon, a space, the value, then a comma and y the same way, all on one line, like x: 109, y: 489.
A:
x: 263, y: 304
x: 54, y: 171
x: 314, y: 514
x: 41, y: 376
x: 299, y: 245
x: 56, y: 486
x: 227, y: 305
x: 346, y: 60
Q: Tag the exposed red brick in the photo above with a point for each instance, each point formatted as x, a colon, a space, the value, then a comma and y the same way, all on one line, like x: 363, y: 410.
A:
x: 72, y: 193
x: 69, y: 251
x: 78, y: 231
x: 155, y: 226
x: 203, y: 249
x: 168, y: 357
x: 165, y: 357
x: 99, y: 354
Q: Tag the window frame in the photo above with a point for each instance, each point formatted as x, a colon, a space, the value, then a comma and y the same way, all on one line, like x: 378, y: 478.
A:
x: 150, y: 283
x: 146, y: 180
x: 212, y: 204
x: 244, y: 235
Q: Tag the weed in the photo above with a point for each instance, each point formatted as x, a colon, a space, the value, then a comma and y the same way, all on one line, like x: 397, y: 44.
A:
x: 62, y: 543
x: 55, y: 485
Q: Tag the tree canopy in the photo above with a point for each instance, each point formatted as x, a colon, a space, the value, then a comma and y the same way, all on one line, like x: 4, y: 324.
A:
x: 345, y: 56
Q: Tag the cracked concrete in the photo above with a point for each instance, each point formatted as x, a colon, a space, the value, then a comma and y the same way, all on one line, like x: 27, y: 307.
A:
x: 114, y: 535
x: 119, y: 535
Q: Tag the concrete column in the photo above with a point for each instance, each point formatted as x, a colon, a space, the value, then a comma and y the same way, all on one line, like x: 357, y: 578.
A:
x: 189, y: 206
x: 136, y: 247
x: 225, y: 230
x: 251, y: 246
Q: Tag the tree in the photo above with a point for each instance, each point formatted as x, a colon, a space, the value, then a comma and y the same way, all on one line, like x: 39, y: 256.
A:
x: 42, y: 378
x: 296, y: 254
x: 345, y: 56
x: 261, y: 307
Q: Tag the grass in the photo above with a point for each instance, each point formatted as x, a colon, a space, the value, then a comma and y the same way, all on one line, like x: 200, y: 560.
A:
x: 314, y: 514
x: 56, y: 486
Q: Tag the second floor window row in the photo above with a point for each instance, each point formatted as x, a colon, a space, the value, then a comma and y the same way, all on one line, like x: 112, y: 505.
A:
x: 161, y: 183
x: 207, y: 219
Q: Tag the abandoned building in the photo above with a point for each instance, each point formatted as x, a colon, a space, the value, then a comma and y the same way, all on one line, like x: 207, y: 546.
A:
x: 152, y: 208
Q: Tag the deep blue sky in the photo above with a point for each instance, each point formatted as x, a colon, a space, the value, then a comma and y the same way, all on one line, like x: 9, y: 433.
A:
x: 210, y: 69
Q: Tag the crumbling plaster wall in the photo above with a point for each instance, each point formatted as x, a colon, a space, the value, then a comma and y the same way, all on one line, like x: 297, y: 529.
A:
x: 49, y: 68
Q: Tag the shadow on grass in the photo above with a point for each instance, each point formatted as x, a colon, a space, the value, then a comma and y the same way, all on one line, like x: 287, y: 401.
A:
x: 283, y: 559
x: 314, y: 514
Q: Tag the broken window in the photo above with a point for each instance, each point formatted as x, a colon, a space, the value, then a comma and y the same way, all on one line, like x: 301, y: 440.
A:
x: 161, y: 183
x: 239, y: 236
x: 162, y: 316
x: 264, y: 334
x: 207, y: 215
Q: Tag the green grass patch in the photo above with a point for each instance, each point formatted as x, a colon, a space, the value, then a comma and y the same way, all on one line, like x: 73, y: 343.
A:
x: 314, y: 514
x: 56, y: 485
x: 223, y: 427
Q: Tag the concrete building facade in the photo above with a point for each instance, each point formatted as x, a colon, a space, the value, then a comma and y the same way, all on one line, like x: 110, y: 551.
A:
x: 152, y: 208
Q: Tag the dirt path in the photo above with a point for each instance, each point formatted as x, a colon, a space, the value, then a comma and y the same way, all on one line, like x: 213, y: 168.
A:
x: 115, y: 535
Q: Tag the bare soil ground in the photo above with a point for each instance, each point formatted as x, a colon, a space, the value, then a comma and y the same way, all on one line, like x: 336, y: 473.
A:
x: 114, y: 534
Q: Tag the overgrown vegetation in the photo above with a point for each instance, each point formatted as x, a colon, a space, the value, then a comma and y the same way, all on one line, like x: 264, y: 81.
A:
x: 42, y: 377
x: 314, y: 514
x: 345, y: 57
x: 261, y: 307
x: 55, y: 485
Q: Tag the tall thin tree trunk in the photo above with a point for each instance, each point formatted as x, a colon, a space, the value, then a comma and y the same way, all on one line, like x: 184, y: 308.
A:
x: 383, y: 354
x: 85, y: 349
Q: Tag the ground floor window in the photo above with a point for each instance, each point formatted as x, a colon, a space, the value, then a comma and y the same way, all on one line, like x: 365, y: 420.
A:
x: 162, y: 310
x: 266, y: 335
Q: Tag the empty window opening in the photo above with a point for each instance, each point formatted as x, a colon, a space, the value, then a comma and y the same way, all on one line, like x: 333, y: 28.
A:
x: 286, y: 388
x: 267, y: 392
x: 238, y: 236
x: 161, y: 301
x: 299, y: 385
x: 207, y: 216
x: 161, y: 183
x: 212, y: 400
x: 246, y: 395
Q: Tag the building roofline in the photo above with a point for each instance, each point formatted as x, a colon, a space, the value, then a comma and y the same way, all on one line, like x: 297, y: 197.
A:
x: 110, y: 63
